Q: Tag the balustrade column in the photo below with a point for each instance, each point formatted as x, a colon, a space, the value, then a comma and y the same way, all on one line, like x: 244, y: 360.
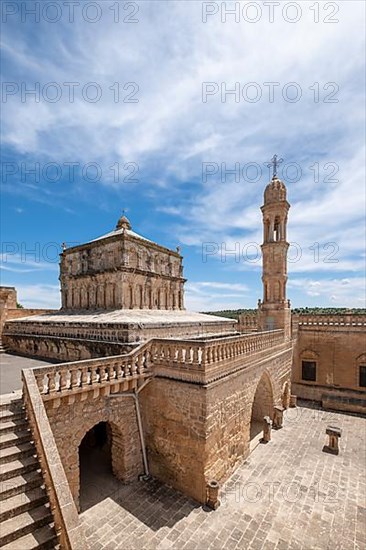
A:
x: 63, y: 381
x: 133, y: 366
x: 126, y: 370
x: 84, y: 376
x: 93, y: 375
x: 51, y: 382
x: 181, y: 357
x: 40, y: 383
x: 111, y: 370
x: 103, y: 374
x: 119, y: 371
x: 74, y: 379
x: 140, y: 364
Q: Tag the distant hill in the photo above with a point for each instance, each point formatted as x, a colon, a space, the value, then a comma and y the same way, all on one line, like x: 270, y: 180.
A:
x: 234, y: 313
x: 231, y: 313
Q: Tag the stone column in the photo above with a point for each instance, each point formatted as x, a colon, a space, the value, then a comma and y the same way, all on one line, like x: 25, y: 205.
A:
x: 334, y: 433
x: 213, y: 494
x: 293, y: 401
x: 278, y: 417
x: 267, y: 428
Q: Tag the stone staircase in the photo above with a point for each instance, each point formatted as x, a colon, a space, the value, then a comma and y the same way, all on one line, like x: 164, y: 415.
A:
x: 2, y: 348
x: 25, y: 514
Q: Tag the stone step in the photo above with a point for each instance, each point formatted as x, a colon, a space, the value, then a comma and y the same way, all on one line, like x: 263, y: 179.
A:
x: 22, y: 502
x: 27, y: 522
x: 15, y: 452
x: 41, y: 539
x: 11, y: 402
x: 15, y: 438
x: 20, y: 484
x: 13, y: 426
x: 18, y: 467
x: 7, y: 415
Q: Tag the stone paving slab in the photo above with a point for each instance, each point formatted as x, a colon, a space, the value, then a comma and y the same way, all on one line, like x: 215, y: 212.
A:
x: 10, y: 370
x: 288, y: 495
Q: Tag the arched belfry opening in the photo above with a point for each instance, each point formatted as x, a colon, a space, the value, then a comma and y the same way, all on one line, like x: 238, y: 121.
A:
x: 95, y: 460
x: 262, y: 405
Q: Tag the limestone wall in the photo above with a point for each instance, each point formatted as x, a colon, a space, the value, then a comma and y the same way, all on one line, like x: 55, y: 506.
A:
x: 174, y: 418
x: 70, y: 424
x: 197, y: 432
x: 229, y: 412
x: 63, y: 349
x: 338, y: 350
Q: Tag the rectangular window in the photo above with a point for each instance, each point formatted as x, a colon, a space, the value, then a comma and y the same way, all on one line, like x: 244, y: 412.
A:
x: 363, y: 376
x: 309, y: 371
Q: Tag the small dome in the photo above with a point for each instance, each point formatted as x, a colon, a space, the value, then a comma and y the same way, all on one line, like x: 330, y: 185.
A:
x: 123, y: 223
x: 275, y: 191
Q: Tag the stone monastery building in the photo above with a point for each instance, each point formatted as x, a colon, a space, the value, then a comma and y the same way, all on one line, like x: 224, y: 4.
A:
x: 197, y: 390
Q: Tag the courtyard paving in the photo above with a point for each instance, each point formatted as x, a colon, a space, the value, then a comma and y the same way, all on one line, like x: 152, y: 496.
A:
x: 11, y: 368
x: 287, y: 495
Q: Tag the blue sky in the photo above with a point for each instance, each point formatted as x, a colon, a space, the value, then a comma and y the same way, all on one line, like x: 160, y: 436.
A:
x: 161, y: 124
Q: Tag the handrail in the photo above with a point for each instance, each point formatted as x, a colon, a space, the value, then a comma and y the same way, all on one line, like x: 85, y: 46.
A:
x: 66, y: 378
x: 67, y: 523
x: 56, y: 380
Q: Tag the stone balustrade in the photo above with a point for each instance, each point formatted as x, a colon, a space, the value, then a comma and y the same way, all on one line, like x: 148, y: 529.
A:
x: 67, y: 379
x: 353, y: 320
x: 203, y: 353
x: 203, y: 357
x: 203, y: 361
x: 200, y: 361
x: 248, y: 323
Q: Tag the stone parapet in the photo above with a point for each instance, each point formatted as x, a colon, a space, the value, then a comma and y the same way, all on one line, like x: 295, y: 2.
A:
x: 330, y: 321
x: 105, y: 375
x: 206, y: 361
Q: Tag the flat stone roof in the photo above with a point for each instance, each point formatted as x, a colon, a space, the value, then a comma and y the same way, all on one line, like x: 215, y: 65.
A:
x: 127, y: 316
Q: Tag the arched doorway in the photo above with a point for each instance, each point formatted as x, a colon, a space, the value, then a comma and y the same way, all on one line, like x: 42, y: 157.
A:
x: 262, y: 405
x: 95, y: 460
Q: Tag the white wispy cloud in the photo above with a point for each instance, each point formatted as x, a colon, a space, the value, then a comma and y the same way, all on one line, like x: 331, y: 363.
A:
x: 342, y: 292
x: 39, y: 296
x: 170, y: 132
x: 210, y: 295
x: 28, y: 261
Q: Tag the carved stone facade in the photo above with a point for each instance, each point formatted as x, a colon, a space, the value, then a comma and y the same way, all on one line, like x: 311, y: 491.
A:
x: 121, y: 270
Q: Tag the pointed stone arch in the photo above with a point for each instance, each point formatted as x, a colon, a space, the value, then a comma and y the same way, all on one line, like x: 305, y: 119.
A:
x: 262, y: 403
x: 115, y: 446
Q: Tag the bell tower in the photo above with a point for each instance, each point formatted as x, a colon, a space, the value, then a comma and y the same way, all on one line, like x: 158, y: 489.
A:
x: 274, y: 311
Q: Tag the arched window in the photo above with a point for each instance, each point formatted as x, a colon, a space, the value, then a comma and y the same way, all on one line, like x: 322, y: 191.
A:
x: 277, y: 229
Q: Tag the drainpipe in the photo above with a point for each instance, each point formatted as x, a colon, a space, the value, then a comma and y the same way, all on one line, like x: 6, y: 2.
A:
x: 135, y: 396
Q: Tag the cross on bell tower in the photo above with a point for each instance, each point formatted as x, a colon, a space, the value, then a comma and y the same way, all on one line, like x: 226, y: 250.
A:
x: 274, y: 311
x: 275, y: 162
